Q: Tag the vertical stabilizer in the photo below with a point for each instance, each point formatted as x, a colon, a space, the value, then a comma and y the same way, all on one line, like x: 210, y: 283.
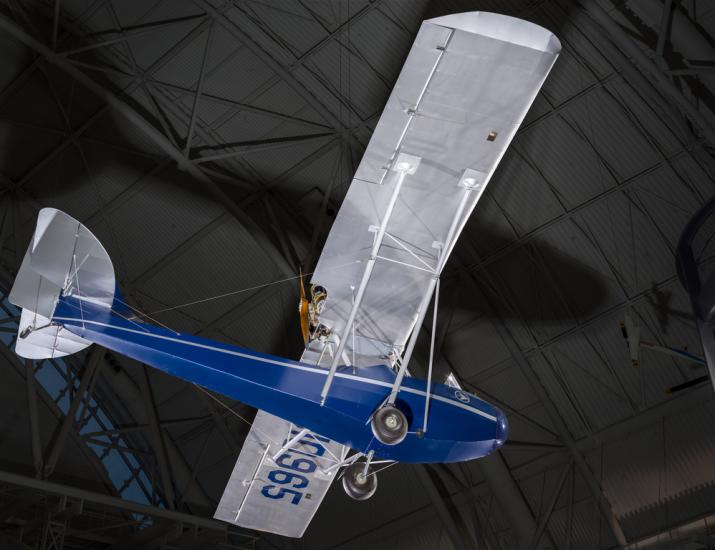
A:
x: 64, y: 258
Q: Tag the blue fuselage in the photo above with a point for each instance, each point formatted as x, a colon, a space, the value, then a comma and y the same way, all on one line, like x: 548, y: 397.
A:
x: 461, y: 426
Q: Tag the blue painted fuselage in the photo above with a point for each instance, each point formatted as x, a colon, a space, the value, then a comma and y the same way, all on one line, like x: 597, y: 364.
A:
x: 461, y: 426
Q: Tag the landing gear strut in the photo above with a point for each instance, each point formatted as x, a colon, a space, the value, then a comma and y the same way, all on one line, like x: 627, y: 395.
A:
x: 358, y: 484
x: 389, y: 425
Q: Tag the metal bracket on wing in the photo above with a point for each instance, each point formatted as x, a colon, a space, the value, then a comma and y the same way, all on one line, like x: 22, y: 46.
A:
x: 472, y: 181
x: 403, y: 165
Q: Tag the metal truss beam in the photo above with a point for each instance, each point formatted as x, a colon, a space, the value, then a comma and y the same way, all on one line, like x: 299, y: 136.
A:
x: 157, y: 437
x: 268, y: 144
x: 539, y: 532
x: 626, y: 44
x: 695, y: 533
x: 297, y: 86
x: 132, y: 398
x: 552, y: 412
x: 110, y: 501
x: 497, y: 474
x: 199, y: 90
x: 243, y: 204
x: 508, y: 495
x: 240, y: 106
x: 458, y: 538
x: 131, y: 32
x: 53, y: 455
x: 33, y: 417
x: 13, y: 361
x: 153, y: 134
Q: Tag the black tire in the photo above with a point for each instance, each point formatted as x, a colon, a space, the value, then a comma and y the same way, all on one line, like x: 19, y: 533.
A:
x: 389, y: 425
x: 357, y: 485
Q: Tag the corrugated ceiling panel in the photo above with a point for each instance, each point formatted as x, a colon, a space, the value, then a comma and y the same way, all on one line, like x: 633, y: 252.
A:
x: 474, y: 349
x: 576, y: 35
x: 580, y: 271
x: 400, y: 492
x: 592, y: 384
x: 694, y: 168
x: 271, y: 163
x: 523, y: 193
x: 560, y: 395
x: 521, y: 278
x: 272, y: 326
x: 654, y: 121
x: 148, y: 226
x: 342, y: 73
x: 225, y: 260
x: 567, y: 78
x: 565, y: 159
x: 184, y: 66
x: 305, y: 190
x: 539, y: 108
x: 148, y: 48
x: 64, y: 183
x: 113, y: 128
x: 668, y: 199
x: 239, y: 77
x: 668, y: 463
x: 509, y: 385
x: 269, y: 43
x: 280, y: 97
x: 629, y: 240
x: 488, y: 229
x: 386, y: 54
x: 605, y: 123
x: 290, y: 23
x: 248, y: 126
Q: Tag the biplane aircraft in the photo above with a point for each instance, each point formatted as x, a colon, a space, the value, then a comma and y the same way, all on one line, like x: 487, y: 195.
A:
x: 464, y: 90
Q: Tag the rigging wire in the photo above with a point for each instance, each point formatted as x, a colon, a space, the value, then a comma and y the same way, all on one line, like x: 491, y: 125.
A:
x: 234, y: 292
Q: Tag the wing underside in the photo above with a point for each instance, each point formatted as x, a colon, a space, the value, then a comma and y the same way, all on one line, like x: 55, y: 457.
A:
x: 464, y: 90
x: 276, y: 491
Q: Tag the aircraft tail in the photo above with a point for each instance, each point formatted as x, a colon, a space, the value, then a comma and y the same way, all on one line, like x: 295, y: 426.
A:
x: 63, y: 259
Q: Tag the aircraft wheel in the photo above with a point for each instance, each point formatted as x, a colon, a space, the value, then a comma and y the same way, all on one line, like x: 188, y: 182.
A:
x: 357, y: 485
x: 389, y: 425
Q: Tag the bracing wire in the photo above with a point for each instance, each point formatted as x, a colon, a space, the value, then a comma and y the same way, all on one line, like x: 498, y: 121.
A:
x: 234, y: 292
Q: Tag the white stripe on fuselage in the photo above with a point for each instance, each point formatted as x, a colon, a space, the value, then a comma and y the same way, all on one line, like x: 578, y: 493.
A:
x: 315, y: 370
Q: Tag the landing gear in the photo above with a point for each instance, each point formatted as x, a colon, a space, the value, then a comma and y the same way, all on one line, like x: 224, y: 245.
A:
x: 389, y: 425
x: 358, y: 484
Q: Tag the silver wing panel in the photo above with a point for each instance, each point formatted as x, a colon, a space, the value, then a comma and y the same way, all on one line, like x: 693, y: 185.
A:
x: 463, y: 91
x: 278, y: 496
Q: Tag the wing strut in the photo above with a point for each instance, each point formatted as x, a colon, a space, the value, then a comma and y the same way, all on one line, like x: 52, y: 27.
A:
x: 404, y: 164
x: 471, y: 180
x: 431, y: 356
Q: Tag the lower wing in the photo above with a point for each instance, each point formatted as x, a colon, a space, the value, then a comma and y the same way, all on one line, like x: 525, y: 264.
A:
x: 280, y: 477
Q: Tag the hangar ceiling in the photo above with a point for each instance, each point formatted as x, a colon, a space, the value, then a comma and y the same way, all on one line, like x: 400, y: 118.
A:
x: 209, y: 143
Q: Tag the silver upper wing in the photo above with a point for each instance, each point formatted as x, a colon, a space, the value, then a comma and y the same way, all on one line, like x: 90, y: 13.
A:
x: 464, y: 90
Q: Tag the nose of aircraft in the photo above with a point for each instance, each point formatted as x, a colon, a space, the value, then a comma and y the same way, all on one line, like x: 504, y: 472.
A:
x: 502, y: 430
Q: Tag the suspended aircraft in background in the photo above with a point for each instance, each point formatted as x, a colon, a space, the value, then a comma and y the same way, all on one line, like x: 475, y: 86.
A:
x: 349, y: 404
x: 631, y: 332
x: 693, y: 256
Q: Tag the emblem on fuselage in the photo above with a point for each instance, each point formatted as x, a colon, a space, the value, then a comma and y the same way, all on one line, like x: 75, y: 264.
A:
x: 463, y: 397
